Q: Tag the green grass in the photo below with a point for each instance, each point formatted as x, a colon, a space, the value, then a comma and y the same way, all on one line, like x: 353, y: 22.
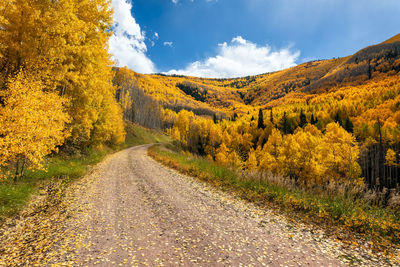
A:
x: 137, y: 135
x: 353, y: 215
x: 14, y: 196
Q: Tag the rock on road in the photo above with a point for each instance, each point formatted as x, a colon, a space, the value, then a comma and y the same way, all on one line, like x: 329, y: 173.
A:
x: 131, y: 210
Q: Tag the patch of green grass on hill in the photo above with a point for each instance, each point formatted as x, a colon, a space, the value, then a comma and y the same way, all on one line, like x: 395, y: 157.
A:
x: 138, y: 135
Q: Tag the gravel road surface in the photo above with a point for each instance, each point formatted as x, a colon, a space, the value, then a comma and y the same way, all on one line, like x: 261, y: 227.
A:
x: 131, y: 210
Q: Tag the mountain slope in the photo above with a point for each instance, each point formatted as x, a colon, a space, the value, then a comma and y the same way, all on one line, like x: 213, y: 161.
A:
x: 242, y: 95
x: 395, y: 38
x: 320, y: 76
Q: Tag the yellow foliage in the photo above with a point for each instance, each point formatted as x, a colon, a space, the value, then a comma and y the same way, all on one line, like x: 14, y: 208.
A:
x: 234, y: 160
x: 182, y: 124
x: 308, y: 156
x: 270, y: 153
x: 176, y: 134
x: 390, y: 158
x: 340, y: 153
x: 32, y: 123
x: 251, y: 163
x: 222, y: 155
x: 65, y: 44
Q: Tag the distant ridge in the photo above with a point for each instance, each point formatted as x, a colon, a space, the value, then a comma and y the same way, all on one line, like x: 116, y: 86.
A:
x: 395, y: 38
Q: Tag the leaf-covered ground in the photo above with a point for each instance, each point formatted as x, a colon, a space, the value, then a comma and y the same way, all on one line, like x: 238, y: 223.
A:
x: 131, y: 210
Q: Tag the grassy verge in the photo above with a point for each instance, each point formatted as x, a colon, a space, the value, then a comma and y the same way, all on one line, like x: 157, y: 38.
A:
x: 380, y: 227
x: 14, y: 196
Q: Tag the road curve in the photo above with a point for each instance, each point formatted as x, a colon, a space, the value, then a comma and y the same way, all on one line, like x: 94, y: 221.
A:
x: 131, y: 210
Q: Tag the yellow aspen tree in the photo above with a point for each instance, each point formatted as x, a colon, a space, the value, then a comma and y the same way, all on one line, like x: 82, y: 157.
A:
x: 310, y: 146
x: 126, y: 102
x: 32, y: 124
x: 226, y: 138
x: 88, y: 82
x: 289, y: 157
x: 215, y: 136
x: 270, y: 153
x: 169, y: 118
x: 251, y: 163
x: 183, y: 120
x: 340, y: 153
x: 109, y: 127
x: 222, y: 154
x: 176, y: 135
x: 234, y: 160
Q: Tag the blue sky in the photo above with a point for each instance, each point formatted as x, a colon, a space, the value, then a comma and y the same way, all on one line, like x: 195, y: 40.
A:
x: 229, y: 38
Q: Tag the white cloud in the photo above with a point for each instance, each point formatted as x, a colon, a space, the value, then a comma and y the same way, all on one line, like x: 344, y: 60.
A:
x: 170, y: 44
x: 127, y: 42
x: 175, y: 1
x: 156, y: 35
x: 240, y: 58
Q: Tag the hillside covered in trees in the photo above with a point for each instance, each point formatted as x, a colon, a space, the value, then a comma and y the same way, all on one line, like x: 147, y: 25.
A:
x: 266, y: 90
x: 321, y: 122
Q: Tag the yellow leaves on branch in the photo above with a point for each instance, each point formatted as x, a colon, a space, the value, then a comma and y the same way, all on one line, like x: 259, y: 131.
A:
x: 32, y: 123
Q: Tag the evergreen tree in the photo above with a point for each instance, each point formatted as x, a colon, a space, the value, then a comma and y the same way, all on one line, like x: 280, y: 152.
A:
x: 235, y: 116
x: 348, y: 125
x: 271, y: 117
x: 338, y: 119
x: 215, y: 119
x: 313, y: 120
x: 303, y: 119
x: 285, y: 125
x: 261, y: 124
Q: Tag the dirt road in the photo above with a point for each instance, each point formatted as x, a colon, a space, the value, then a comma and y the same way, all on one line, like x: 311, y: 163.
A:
x: 131, y: 210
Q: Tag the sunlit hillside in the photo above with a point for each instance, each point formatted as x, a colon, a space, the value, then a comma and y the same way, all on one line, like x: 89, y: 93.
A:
x: 225, y: 97
x: 202, y: 96
x: 395, y: 38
